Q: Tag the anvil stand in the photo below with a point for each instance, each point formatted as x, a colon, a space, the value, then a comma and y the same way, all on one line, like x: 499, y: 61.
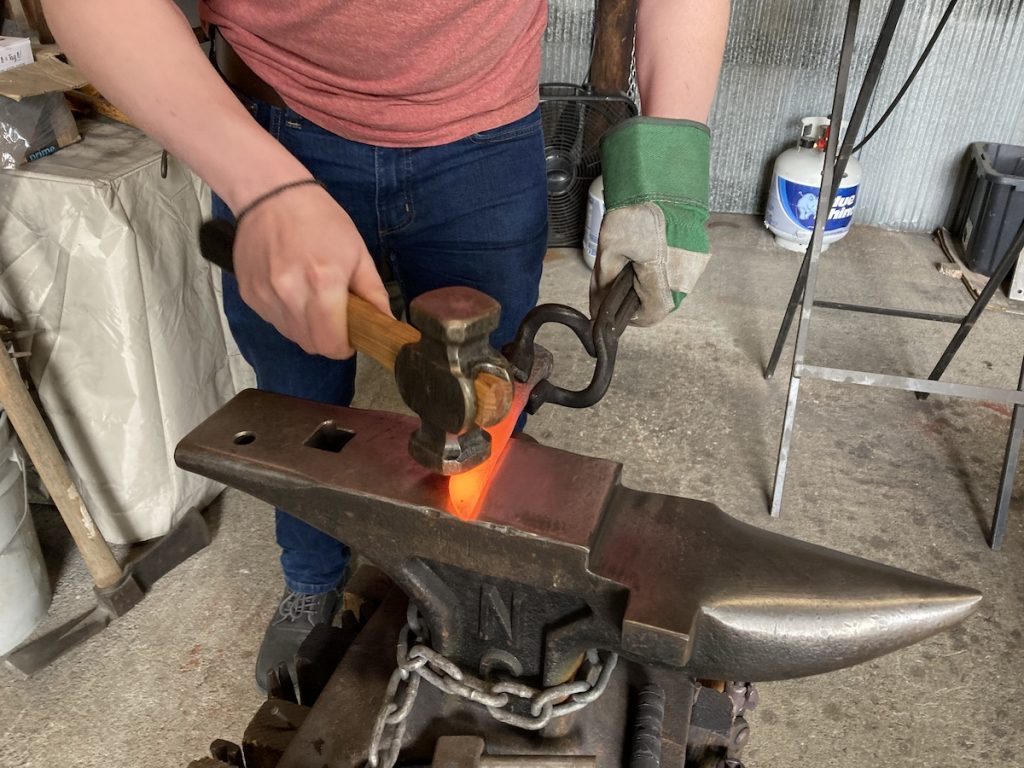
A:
x: 803, y: 295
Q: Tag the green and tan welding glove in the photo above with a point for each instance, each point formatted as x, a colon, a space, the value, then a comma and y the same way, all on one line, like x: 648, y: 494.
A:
x: 656, y: 190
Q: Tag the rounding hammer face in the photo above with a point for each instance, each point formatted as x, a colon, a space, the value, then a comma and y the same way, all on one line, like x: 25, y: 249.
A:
x: 436, y: 376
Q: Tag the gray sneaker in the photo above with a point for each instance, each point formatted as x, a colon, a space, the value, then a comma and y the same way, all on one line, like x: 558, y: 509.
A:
x: 294, y: 619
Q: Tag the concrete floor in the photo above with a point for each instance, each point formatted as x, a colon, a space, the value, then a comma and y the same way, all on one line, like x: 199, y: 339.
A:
x: 873, y: 472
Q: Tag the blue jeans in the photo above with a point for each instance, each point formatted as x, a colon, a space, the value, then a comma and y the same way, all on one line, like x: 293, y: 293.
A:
x: 473, y: 212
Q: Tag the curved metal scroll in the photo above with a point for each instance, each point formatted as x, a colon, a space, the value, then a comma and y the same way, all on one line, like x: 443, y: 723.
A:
x: 599, y: 337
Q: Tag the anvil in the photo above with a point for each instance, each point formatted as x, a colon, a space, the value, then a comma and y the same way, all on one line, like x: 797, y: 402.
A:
x: 564, y: 558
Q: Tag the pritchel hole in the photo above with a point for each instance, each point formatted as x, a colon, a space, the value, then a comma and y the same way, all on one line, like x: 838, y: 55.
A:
x: 245, y: 438
x: 329, y: 437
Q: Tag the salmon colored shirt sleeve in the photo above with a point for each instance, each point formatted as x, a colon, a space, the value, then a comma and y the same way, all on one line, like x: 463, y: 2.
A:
x: 392, y: 74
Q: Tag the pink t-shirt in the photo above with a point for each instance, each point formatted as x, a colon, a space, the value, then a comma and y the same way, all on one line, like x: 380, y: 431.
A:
x: 392, y: 73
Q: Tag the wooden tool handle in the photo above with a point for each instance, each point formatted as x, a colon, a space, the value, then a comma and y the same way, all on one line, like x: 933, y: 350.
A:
x: 48, y: 462
x: 375, y: 334
x: 370, y: 331
x: 614, y: 25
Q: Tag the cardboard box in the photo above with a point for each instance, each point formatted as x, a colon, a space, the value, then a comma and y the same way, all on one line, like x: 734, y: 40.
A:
x: 34, y: 127
x: 15, y: 52
x: 34, y: 117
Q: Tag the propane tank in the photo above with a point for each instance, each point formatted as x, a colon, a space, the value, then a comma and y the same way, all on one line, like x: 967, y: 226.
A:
x: 793, y: 198
x: 595, y: 215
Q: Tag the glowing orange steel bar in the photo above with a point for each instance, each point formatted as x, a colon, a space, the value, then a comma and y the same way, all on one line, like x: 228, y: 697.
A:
x: 466, y: 490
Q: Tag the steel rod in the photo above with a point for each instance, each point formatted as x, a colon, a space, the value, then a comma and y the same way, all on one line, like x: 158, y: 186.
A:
x: 787, y: 319
x: 1009, y: 471
x: 993, y: 284
x: 814, y: 253
x: 785, y: 444
x: 878, y: 57
x: 867, y: 90
x: 911, y: 384
x: 828, y: 175
x: 910, y: 314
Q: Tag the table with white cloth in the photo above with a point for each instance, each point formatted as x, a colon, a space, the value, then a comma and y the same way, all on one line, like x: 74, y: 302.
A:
x: 128, y: 346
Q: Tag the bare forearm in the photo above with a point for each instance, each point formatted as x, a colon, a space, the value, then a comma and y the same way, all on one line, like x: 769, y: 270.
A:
x: 679, y: 47
x: 143, y: 56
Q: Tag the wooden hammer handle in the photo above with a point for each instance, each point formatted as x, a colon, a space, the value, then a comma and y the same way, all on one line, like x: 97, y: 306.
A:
x: 50, y: 465
x: 614, y: 30
x: 370, y: 331
x: 375, y: 334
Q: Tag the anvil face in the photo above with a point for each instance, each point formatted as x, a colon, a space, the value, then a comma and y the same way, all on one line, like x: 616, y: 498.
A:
x: 563, y: 558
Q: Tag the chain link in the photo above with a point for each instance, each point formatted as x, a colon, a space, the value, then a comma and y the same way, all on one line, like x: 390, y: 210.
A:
x: 533, y: 709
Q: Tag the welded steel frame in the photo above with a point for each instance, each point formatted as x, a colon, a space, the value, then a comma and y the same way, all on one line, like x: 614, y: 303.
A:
x: 803, y: 295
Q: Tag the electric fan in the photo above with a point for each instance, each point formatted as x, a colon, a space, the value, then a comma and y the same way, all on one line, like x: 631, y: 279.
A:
x: 574, y: 120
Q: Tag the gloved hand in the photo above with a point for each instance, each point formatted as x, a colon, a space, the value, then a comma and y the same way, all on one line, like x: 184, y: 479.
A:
x: 656, y: 197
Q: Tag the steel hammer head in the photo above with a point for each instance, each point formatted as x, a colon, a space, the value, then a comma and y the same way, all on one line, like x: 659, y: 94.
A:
x: 436, y: 376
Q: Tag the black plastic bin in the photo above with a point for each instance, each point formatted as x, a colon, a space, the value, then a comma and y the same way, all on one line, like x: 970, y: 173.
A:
x: 991, y: 205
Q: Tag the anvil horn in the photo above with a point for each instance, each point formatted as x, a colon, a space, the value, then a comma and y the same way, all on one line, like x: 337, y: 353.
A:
x: 662, y: 580
x: 754, y: 605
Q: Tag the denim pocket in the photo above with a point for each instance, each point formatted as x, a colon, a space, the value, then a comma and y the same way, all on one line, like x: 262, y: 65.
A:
x: 524, y: 126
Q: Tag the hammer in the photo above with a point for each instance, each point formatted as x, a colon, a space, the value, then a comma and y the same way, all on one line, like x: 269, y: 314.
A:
x: 444, y: 366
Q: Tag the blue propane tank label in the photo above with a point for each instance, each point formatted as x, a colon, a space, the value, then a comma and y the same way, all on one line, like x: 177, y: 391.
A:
x: 798, y: 204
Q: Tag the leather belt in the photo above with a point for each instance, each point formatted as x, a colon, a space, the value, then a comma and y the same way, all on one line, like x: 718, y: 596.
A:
x: 238, y: 75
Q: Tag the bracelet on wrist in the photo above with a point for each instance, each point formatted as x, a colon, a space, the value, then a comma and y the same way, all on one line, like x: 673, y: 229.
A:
x: 273, y: 193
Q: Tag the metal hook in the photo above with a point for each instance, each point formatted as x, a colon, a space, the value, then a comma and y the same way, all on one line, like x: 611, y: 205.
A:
x: 599, y: 337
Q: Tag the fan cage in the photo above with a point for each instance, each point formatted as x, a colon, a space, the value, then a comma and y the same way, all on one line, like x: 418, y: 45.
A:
x: 574, y: 120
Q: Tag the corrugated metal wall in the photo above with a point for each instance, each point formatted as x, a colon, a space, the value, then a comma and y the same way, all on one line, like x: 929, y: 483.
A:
x: 780, y: 66
x: 566, y: 51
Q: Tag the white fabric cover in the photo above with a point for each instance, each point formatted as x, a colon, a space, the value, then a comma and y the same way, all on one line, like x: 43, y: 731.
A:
x: 99, y: 255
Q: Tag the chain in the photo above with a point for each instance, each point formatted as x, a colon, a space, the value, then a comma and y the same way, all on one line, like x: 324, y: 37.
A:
x: 533, y: 709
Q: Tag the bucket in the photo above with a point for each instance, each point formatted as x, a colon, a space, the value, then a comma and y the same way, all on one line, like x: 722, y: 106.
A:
x: 24, y: 585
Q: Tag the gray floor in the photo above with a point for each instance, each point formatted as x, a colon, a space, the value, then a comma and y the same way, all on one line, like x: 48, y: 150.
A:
x: 873, y: 472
